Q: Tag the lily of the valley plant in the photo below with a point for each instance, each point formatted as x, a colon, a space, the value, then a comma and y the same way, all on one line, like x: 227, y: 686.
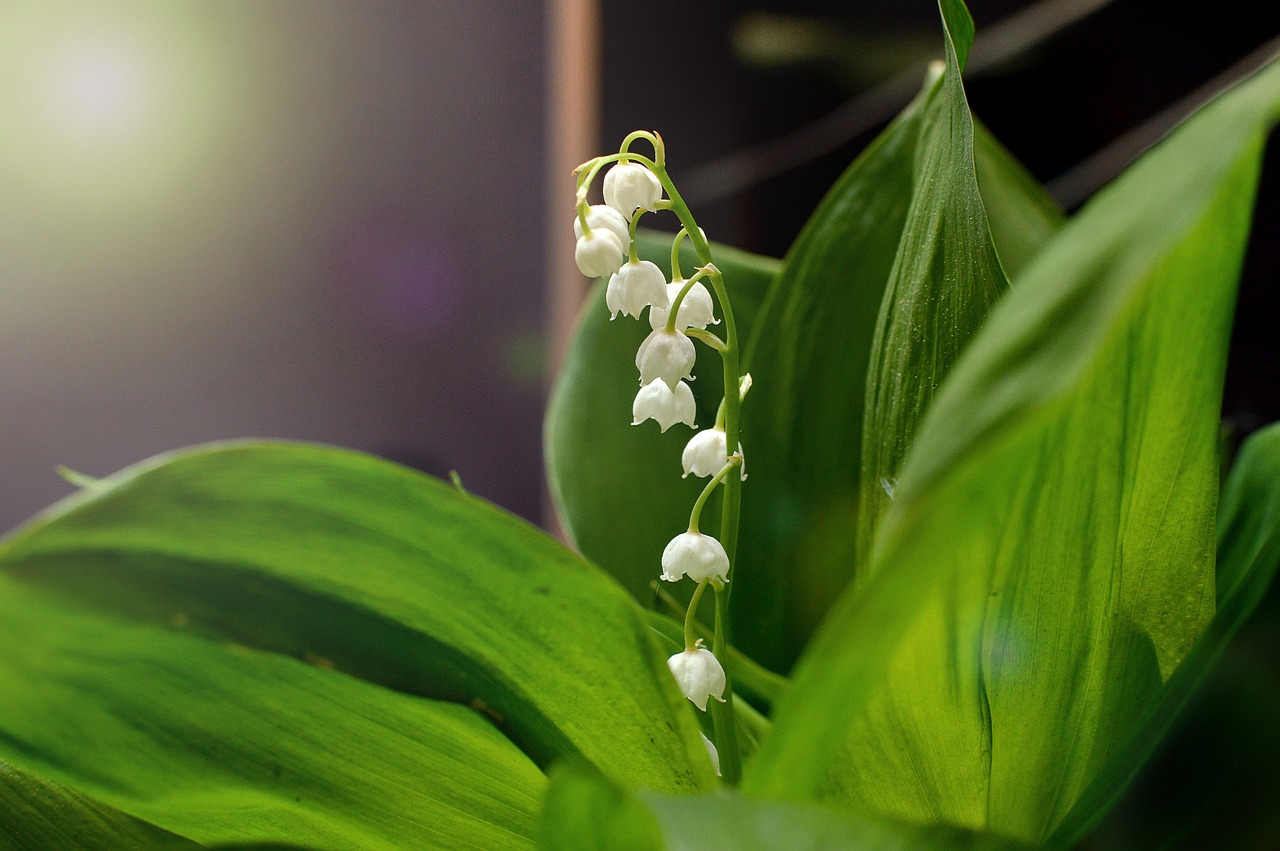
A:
x: 984, y: 536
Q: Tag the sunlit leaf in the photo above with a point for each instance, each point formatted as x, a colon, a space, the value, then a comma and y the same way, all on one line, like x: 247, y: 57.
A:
x: 1048, y: 560
x: 586, y: 811
x: 164, y: 621
x: 1248, y: 558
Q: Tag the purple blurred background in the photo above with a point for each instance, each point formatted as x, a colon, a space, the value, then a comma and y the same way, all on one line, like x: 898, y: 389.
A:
x: 309, y: 220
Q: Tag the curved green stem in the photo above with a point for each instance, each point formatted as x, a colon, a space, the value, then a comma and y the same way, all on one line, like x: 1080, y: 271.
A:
x: 676, y: 273
x: 696, y: 514
x: 690, y: 616
x: 674, y: 307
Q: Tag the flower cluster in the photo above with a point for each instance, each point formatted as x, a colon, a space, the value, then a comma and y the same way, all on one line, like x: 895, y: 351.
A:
x: 680, y: 311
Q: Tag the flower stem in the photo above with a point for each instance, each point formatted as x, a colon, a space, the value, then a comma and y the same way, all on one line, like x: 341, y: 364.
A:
x: 690, y: 616
x: 695, y: 515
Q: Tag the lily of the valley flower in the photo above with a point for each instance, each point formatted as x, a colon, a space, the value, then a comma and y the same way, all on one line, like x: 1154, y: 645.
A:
x: 695, y: 555
x: 699, y: 674
x: 668, y: 355
x: 634, y: 287
x: 696, y: 311
x: 599, y: 253
x: 631, y: 186
x: 657, y: 401
x: 603, y: 216
x: 706, y: 452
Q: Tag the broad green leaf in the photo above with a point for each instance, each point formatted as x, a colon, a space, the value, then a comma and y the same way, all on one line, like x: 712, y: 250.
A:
x: 406, y: 587
x: 810, y: 353
x: 221, y: 743
x: 944, y: 280
x: 1248, y: 557
x: 35, y: 813
x: 586, y: 811
x: 618, y: 488
x: 1048, y: 560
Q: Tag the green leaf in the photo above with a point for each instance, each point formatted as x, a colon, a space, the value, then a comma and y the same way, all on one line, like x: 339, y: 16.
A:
x: 617, y: 488
x: 811, y: 350
x: 221, y: 743
x: 35, y: 813
x: 1248, y: 557
x: 428, y: 617
x: 944, y: 280
x: 1048, y: 560
x: 586, y: 811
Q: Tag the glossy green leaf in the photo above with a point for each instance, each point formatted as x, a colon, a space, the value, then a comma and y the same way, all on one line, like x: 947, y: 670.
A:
x: 1248, y: 558
x: 811, y: 350
x: 618, y: 488
x: 586, y: 811
x: 418, y: 597
x: 35, y: 813
x: 944, y: 280
x: 1048, y: 559
x: 221, y: 743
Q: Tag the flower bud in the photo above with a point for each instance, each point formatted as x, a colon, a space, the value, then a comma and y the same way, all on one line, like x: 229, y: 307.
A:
x: 668, y: 355
x: 657, y: 401
x: 699, y: 674
x: 599, y: 253
x: 634, y: 287
x: 696, y: 555
x: 631, y: 186
x: 696, y: 311
x: 602, y: 216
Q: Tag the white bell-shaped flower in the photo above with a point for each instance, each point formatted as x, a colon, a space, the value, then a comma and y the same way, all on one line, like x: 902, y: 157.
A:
x: 631, y: 186
x: 696, y: 311
x: 699, y: 675
x: 695, y: 555
x: 712, y: 754
x: 668, y: 355
x: 603, y: 216
x: 599, y: 253
x: 657, y: 401
x: 706, y: 453
x: 634, y: 287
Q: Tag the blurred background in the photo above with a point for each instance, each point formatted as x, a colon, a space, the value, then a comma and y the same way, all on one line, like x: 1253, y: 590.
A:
x: 349, y: 223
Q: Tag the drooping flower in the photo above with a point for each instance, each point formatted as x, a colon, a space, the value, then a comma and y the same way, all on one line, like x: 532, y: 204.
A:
x: 706, y: 453
x: 657, y: 401
x: 631, y: 186
x: 695, y: 555
x: 712, y: 754
x: 599, y: 253
x: 699, y: 674
x: 634, y: 287
x: 603, y: 216
x: 668, y: 355
x: 696, y: 311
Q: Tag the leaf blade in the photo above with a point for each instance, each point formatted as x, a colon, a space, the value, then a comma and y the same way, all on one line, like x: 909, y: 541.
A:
x: 1127, y: 296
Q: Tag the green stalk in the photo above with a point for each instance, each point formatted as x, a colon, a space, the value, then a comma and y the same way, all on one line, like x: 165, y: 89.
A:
x: 722, y: 714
